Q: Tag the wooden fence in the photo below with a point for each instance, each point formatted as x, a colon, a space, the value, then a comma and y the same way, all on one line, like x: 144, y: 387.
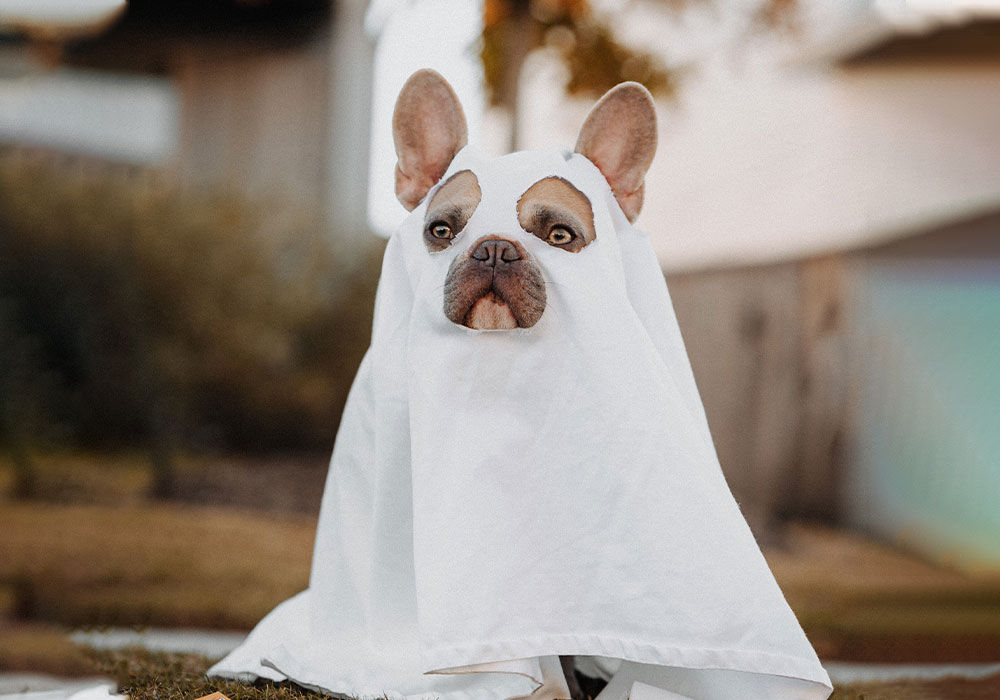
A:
x: 768, y: 349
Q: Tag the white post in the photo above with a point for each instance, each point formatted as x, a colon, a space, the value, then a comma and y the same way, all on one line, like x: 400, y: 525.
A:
x: 351, y: 64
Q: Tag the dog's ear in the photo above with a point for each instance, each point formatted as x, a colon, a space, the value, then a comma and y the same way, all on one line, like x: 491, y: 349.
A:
x: 619, y: 137
x: 428, y: 128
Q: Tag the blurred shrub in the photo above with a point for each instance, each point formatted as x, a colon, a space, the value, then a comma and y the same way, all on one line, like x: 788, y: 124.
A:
x: 594, y: 57
x: 136, y: 313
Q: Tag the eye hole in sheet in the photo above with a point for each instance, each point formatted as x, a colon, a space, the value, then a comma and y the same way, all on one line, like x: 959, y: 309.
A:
x: 450, y: 209
x: 558, y: 213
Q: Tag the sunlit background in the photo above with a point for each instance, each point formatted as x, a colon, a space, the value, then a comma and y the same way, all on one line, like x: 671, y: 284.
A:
x: 194, y: 197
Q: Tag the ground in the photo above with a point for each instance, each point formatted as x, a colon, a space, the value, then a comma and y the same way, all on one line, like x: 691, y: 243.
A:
x: 93, y: 549
x: 147, y: 676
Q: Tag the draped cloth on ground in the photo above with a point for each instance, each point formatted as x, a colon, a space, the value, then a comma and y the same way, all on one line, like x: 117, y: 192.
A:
x: 498, y: 498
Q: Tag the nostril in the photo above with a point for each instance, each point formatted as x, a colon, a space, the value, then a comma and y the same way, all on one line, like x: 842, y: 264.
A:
x: 484, y: 251
x: 508, y: 252
x: 495, y: 249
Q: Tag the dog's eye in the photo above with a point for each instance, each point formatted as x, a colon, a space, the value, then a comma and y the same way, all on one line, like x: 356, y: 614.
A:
x: 560, y: 235
x: 440, y: 229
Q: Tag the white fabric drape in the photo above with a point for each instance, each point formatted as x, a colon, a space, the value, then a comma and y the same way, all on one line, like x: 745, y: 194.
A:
x: 498, y: 498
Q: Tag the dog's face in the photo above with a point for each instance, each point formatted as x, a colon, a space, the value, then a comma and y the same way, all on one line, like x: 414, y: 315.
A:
x: 495, y: 283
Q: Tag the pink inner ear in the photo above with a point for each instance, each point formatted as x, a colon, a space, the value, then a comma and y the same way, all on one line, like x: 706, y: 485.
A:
x: 614, y: 159
x: 619, y: 137
x: 409, y: 191
x: 428, y: 130
x: 631, y: 203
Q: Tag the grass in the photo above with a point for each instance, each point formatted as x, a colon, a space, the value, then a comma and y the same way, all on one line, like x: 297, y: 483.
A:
x: 74, y: 477
x: 149, y: 564
x: 144, y: 675
x: 42, y: 648
x: 861, y: 600
x: 95, y: 550
x: 285, y: 483
x: 156, y: 564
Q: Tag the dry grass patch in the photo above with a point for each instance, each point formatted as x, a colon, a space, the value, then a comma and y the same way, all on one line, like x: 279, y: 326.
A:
x: 862, y: 600
x: 145, y: 675
x: 80, y: 477
x: 202, y: 566
x: 942, y: 689
x: 42, y: 648
x: 151, y: 565
x: 285, y: 483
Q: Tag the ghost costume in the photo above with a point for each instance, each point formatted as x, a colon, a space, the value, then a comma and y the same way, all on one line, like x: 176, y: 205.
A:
x: 498, y: 498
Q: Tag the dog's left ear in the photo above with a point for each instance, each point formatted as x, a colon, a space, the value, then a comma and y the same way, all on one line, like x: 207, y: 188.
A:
x: 428, y: 129
x: 619, y: 137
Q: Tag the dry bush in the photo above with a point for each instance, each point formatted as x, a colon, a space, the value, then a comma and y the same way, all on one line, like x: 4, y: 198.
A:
x: 135, y: 312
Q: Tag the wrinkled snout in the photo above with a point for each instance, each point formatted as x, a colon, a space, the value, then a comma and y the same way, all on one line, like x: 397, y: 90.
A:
x: 494, y: 286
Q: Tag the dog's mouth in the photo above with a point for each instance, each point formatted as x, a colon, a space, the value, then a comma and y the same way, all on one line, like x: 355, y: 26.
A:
x: 495, y: 286
x: 490, y: 313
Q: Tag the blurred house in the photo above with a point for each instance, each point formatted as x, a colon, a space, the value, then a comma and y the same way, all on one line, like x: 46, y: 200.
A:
x: 923, y: 462
x: 826, y: 207
x: 827, y: 210
x: 268, y: 98
x: 858, y: 381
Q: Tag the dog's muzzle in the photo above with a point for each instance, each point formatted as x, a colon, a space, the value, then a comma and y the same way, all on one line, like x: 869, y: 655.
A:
x: 494, y: 286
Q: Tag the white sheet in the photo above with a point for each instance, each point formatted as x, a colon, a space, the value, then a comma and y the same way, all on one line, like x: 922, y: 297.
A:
x: 497, y: 498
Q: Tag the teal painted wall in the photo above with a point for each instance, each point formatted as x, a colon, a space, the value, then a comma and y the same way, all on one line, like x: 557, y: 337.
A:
x: 924, y: 467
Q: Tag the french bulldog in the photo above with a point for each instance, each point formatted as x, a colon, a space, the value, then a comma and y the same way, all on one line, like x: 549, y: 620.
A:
x: 496, y: 284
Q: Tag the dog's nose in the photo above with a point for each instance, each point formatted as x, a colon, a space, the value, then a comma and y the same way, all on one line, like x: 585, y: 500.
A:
x: 495, y: 250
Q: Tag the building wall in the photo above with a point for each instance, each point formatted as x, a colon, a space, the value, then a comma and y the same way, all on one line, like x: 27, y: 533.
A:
x: 923, y: 468
x: 257, y: 122
x: 767, y: 346
x: 860, y: 387
x: 276, y: 108
x: 759, y: 165
x: 133, y: 119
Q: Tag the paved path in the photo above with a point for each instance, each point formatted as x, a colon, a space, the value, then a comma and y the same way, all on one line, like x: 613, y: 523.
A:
x: 209, y: 643
x: 30, y: 686
x: 844, y: 673
x: 19, y: 683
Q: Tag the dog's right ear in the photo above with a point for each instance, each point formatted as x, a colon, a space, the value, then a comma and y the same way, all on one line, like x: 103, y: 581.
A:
x: 619, y: 137
x: 428, y: 128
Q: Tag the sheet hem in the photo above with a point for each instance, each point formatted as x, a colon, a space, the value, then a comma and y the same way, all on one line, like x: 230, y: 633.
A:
x: 638, y: 652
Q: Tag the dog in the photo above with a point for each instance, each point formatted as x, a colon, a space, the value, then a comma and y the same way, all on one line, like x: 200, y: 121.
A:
x: 496, y: 284
x: 526, y: 415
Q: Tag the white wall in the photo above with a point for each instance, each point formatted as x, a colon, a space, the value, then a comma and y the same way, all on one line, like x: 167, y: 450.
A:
x: 133, y: 119
x: 784, y: 163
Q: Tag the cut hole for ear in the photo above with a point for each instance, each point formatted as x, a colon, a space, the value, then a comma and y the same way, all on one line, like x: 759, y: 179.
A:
x: 619, y: 137
x: 428, y: 129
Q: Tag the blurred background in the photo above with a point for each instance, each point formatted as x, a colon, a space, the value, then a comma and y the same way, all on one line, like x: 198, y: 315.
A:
x: 193, y: 202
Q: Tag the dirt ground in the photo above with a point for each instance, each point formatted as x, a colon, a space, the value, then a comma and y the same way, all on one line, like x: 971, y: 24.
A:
x: 290, y: 484
x: 862, y: 600
x: 157, y: 676
x: 944, y: 689
x: 139, y: 561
